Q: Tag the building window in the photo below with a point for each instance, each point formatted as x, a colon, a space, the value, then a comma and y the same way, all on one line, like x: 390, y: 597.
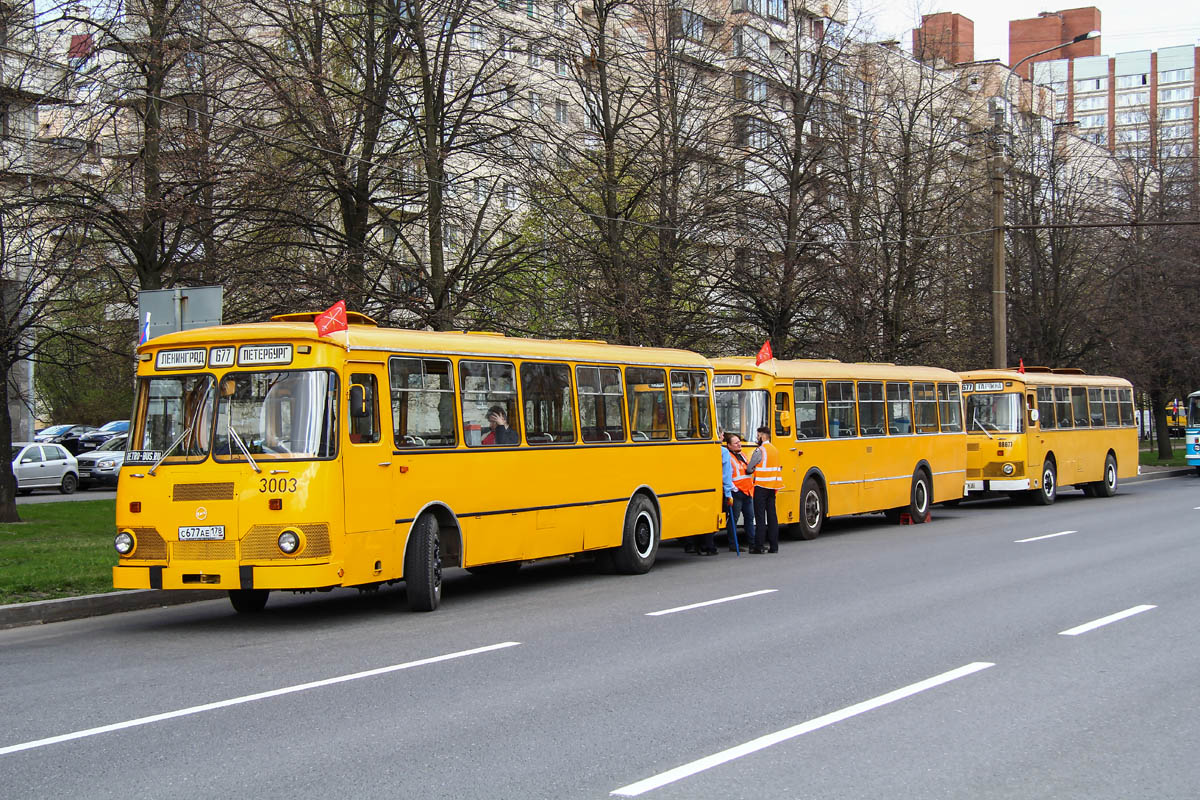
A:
x: 1131, y: 117
x: 560, y: 15
x: 511, y: 197
x: 751, y: 132
x: 691, y: 26
x: 531, y: 9
x: 481, y: 193
x: 533, y: 58
x: 1177, y: 112
x: 477, y: 37
x: 1094, y: 121
x: 1176, y: 131
x: 1125, y: 135
x: 535, y: 105
x: 750, y: 87
x: 1091, y: 85
x: 749, y: 43
x: 1175, y: 95
x: 560, y: 112
x: 1090, y: 103
x: 1132, y: 81
x: 560, y: 64
x: 1133, y: 98
x: 1176, y: 75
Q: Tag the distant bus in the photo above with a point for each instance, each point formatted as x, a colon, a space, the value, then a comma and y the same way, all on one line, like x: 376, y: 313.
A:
x: 853, y: 438
x: 263, y: 458
x: 1032, y: 432
x: 1192, y: 440
x: 1177, y: 418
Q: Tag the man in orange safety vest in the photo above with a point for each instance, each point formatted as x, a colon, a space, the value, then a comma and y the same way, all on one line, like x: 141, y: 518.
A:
x: 767, y: 470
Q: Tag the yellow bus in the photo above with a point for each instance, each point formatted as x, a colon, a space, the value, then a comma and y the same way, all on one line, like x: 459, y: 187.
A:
x: 1031, y: 432
x: 853, y: 438
x: 263, y: 457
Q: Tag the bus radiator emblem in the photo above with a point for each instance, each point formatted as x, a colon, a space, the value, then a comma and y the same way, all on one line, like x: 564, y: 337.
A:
x: 201, y: 513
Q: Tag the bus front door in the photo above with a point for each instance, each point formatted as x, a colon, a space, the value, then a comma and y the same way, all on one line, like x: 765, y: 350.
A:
x: 372, y: 551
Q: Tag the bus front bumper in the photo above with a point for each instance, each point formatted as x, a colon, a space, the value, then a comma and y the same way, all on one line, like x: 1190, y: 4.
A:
x: 1015, y: 485
x: 223, y: 576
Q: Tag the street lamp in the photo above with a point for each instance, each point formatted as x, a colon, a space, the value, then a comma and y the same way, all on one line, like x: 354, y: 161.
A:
x: 999, y: 277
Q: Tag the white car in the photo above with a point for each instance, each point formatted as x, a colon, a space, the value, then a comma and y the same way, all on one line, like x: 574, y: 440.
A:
x: 38, y: 465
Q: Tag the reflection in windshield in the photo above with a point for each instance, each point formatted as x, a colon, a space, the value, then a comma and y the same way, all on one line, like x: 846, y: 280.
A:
x: 277, y: 415
x: 169, y: 406
x: 742, y: 412
x: 995, y: 412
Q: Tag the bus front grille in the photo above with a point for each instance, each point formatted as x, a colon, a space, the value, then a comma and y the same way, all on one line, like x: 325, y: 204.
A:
x: 262, y: 542
x: 150, y: 545
x: 188, y: 492
x: 203, y: 551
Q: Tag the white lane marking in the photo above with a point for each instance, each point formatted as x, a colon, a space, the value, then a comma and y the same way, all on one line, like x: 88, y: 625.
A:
x: 1089, y: 626
x: 709, y: 602
x: 1047, y: 536
x: 754, y: 745
x: 183, y: 712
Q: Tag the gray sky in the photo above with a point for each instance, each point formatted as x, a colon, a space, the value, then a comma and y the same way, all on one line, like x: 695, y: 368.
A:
x: 1125, y: 24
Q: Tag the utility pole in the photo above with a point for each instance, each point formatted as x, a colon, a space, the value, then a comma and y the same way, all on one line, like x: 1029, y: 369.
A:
x: 999, y: 276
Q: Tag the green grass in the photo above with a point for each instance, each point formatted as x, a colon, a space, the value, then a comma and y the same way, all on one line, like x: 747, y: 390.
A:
x: 1148, y: 455
x: 57, y: 550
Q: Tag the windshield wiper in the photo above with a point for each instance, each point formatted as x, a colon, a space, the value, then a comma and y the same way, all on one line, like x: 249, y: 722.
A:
x: 242, y: 445
x: 186, y: 431
x: 975, y: 421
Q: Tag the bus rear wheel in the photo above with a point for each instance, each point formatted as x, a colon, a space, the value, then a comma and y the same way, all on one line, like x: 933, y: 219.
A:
x: 1108, y: 486
x: 919, y: 497
x: 249, y: 601
x: 1046, y: 495
x: 639, y: 544
x: 423, y: 566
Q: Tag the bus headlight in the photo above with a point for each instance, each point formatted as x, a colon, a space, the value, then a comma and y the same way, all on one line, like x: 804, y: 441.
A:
x: 291, y: 541
x: 1008, y: 469
x: 125, y: 543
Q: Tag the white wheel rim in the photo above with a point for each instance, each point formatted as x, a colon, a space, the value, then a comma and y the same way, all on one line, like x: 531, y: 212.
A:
x: 646, y: 518
x: 922, y: 494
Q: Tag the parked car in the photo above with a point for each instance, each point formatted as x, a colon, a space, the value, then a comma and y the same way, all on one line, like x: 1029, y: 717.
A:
x: 39, y: 465
x: 66, y: 435
x: 93, y: 439
x: 102, y: 466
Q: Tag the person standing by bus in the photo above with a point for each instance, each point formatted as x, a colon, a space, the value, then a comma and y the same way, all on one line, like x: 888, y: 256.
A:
x: 743, y: 492
x: 767, y: 470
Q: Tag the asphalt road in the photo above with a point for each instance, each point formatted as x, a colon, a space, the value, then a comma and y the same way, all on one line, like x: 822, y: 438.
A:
x: 946, y: 660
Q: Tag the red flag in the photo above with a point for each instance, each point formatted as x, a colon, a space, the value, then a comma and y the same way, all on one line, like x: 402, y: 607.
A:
x: 1021, y: 365
x: 764, y: 353
x: 332, y: 319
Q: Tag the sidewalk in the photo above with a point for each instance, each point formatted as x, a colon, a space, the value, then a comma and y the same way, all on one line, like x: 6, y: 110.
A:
x: 94, y: 605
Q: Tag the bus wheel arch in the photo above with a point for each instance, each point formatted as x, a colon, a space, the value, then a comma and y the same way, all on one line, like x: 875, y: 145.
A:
x: 641, y: 534
x: 1107, y: 486
x: 921, y: 494
x: 1046, y: 494
x: 449, y: 533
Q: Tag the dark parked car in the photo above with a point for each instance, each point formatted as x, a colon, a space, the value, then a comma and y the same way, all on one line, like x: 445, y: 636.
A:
x: 93, y: 439
x: 66, y: 435
x: 102, y: 466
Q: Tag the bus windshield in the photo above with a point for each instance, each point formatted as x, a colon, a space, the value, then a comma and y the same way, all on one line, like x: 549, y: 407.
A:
x: 743, y: 412
x: 1193, y: 411
x: 276, y: 415
x: 995, y: 412
x: 175, y: 420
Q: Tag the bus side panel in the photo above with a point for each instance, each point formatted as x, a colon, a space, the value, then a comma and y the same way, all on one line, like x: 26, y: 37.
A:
x: 949, y: 457
x: 1126, y: 449
x: 838, y: 461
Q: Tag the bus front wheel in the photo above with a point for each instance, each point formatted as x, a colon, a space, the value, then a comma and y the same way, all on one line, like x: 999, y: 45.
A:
x: 1046, y: 495
x: 249, y: 601
x: 423, y: 566
x: 639, y: 543
x: 812, y: 510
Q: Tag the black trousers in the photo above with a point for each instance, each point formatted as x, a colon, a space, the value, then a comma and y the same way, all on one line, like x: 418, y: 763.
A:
x: 766, y: 522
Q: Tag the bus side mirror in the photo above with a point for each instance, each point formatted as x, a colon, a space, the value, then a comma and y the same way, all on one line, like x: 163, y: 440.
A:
x: 785, y: 421
x: 358, y: 401
x: 1034, y: 416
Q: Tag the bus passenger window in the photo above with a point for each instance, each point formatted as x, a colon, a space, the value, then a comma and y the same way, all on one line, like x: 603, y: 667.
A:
x: 489, y: 403
x: 1079, y: 406
x: 422, y: 402
x: 600, y: 401
x: 1126, y: 396
x: 1062, y: 407
x: 1096, y: 408
x: 871, y: 417
x: 1045, y: 406
x: 810, y: 410
x: 689, y: 402
x: 950, y: 407
x: 546, y: 392
x: 899, y: 405
x: 364, y: 427
x: 649, y: 419
x: 925, y: 403
x: 840, y: 398
x: 1112, y: 416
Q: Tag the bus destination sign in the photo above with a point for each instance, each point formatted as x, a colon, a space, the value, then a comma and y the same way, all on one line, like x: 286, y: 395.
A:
x: 727, y: 379
x: 181, y: 359
x: 221, y: 356
x: 257, y: 355
x: 983, y: 386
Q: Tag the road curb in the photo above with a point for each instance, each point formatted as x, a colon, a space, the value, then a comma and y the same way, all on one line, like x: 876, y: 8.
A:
x: 93, y: 605
x: 1165, y: 473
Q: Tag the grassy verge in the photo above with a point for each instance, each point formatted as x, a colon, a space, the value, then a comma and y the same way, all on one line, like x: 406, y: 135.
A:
x: 58, y: 550
x: 1148, y: 455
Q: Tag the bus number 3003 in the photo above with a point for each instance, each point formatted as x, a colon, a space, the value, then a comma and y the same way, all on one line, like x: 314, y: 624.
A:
x: 277, y: 484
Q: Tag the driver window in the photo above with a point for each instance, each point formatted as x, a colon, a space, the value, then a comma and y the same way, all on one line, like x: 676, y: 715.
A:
x: 364, y: 428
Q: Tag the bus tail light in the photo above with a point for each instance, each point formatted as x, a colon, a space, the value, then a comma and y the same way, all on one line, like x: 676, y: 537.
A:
x: 135, y: 507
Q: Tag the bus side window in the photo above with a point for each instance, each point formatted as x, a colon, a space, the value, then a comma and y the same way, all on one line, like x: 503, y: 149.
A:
x: 1079, y: 406
x: 364, y: 421
x: 810, y: 410
x: 1045, y: 407
x: 783, y: 423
